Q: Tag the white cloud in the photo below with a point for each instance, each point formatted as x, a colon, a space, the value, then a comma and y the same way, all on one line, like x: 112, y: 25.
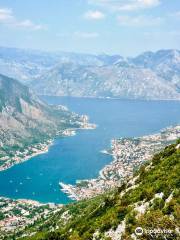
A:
x: 7, y: 18
x: 94, y: 15
x: 30, y: 25
x: 139, y: 21
x: 86, y: 35
x: 5, y: 15
x: 126, y: 5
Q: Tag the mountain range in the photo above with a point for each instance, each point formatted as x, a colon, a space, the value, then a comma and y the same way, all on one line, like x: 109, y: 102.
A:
x: 147, y: 201
x: 26, y: 121
x: 151, y: 75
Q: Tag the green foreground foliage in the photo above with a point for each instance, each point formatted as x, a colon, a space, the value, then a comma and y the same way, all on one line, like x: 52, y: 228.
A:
x: 159, y: 177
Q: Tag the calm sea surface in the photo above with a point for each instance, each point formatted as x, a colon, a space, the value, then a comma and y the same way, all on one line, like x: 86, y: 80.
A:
x: 79, y: 157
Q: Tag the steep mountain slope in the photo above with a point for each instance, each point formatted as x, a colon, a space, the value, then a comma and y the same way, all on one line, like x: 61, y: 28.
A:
x: 151, y: 75
x: 27, y: 65
x: 149, y: 200
x: 166, y: 63
x: 26, y: 121
x: 130, y: 82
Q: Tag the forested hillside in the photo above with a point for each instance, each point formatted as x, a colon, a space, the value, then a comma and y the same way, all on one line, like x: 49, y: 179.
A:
x: 149, y: 200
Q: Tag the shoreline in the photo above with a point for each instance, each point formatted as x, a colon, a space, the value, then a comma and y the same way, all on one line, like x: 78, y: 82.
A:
x: 42, y: 148
x: 118, y: 169
x: 18, y: 160
x: 111, y: 98
x: 127, y: 155
x: 30, y: 201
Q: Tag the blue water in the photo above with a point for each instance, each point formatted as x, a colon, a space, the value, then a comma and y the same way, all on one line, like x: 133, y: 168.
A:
x: 79, y: 157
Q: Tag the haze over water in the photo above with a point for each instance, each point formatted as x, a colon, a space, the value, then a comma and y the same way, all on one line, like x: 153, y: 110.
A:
x: 79, y: 157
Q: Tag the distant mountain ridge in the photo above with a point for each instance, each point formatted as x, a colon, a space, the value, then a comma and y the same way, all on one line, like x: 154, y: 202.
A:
x: 105, y: 81
x: 26, y: 64
x: 166, y: 64
x: 151, y: 75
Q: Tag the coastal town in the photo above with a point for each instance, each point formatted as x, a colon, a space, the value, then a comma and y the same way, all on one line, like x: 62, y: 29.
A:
x: 128, y: 154
x: 21, y: 155
x: 15, y: 215
x: 84, y: 125
x: 24, y: 155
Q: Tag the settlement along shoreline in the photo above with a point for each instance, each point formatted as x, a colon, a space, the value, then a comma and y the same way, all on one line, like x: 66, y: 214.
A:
x: 128, y: 154
x: 41, y: 148
x: 30, y: 211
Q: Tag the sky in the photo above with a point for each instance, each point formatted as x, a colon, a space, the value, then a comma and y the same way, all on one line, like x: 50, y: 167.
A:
x: 125, y: 27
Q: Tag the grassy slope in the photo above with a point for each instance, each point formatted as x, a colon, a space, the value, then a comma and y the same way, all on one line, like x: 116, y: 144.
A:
x: 109, y: 210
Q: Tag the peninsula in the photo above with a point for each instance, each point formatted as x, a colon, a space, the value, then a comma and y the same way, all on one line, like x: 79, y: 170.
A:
x: 29, y: 125
x: 128, y: 155
x: 148, y: 199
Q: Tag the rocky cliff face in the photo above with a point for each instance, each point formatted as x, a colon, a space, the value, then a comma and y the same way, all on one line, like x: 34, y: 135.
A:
x: 26, y: 65
x: 25, y: 120
x: 151, y: 75
x: 105, y: 81
x: 148, y: 76
x: 165, y: 63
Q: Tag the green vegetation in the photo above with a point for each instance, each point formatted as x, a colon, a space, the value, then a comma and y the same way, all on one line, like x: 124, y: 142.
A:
x: 156, y: 185
x: 27, y: 121
x: 1, y: 216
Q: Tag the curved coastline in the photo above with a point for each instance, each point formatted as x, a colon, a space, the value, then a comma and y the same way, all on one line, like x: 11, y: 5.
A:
x: 127, y: 155
x: 72, y: 149
x: 41, y: 148
x: 36, y: 150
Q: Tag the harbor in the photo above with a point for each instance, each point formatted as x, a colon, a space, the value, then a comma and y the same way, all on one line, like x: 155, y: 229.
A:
x: 128, y: 154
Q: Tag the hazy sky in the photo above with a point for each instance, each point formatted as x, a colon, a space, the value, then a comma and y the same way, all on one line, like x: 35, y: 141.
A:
x: 125, y: 27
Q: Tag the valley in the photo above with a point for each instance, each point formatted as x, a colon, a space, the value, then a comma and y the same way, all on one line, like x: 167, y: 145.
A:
x: 96, y: 164
x: 90, y: 120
